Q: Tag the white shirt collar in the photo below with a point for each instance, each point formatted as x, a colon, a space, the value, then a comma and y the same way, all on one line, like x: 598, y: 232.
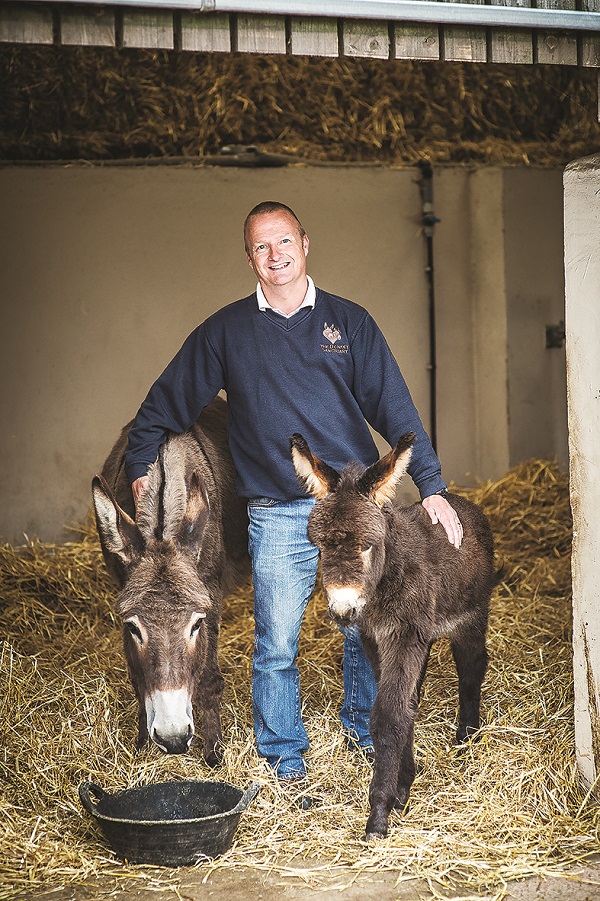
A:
x: 309, y: 299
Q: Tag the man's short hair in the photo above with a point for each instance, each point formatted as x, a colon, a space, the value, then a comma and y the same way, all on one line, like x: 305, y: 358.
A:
x: 270, y: 206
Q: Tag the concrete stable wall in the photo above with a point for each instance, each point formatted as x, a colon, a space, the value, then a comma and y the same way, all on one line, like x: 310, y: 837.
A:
x: 534, y: 267
x: 105, y: 270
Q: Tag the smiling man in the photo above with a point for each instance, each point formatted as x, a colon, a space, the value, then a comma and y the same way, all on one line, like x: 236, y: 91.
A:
x: 276, y: 249
x: 292, y: 358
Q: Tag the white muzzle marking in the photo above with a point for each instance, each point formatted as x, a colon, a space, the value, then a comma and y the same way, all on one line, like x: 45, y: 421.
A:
x: 345, y: 603
x: 170, y: 719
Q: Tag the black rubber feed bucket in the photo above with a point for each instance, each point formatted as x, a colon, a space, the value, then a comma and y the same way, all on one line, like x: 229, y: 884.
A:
x: 169, y: 824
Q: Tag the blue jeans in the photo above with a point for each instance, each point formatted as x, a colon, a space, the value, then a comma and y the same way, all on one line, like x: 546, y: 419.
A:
x: 284, y: 571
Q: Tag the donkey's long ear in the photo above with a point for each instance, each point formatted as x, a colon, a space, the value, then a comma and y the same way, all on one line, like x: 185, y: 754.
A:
x: 380, y: 480
x: 316, y: 476
x: 119, y: 534
x: 196, y: 513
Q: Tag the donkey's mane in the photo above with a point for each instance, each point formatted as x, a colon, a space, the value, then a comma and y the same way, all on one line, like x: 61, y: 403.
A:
x: 350, y: 476
x: 162, y: 506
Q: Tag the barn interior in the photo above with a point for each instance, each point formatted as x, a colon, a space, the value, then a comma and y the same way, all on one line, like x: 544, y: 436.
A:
x: 125, y: 177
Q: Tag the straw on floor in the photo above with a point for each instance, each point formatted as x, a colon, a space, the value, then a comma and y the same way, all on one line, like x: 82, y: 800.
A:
x: 511, y: 806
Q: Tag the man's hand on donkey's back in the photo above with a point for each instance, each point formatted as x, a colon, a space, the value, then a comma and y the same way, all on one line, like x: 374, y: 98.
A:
x: 441, y: 511
x: 138, y: 487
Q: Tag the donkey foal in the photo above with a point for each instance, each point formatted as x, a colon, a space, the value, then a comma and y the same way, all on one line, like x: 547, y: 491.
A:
x: 395, y: 574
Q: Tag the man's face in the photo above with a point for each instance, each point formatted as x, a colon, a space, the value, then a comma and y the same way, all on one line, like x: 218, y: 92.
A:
x: 276, y: 249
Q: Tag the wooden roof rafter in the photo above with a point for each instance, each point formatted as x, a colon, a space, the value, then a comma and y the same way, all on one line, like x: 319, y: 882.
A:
x: 214, y: 26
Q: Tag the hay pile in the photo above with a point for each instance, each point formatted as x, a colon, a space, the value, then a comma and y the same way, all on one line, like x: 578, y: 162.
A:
x: 511, y: 806
x: 106, y: 104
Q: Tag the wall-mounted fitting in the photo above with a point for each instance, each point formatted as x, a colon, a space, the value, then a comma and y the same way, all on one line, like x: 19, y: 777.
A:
x: 555, y: 335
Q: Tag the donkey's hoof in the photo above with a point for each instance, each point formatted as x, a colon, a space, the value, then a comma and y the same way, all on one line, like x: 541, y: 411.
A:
x: 465, y: 735
x: 214, y: 761
x: 214, y: 757
x: 377, y: 825
x: 402, y: 798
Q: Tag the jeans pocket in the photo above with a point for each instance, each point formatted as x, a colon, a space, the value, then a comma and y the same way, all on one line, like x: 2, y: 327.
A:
x: 259, y: 502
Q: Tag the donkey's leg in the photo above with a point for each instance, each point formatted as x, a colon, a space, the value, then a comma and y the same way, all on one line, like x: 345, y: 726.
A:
x: 392, y: 726
x: 370, y: 649
x: 470, y: 656
x: 407, y: 768
x: 407, y: 764
x: 389, y: 728
x: 209, y: 693
x: 209, y: 698
x: 421, y: 678
x: 142, y: 726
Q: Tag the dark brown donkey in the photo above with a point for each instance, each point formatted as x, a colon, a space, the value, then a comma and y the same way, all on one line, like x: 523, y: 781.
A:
x: 393, y: 573
x: 186, y: 551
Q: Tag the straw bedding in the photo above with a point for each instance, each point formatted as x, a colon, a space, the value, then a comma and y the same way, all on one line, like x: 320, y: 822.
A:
x: 106, y: 104
x: 511, y: 806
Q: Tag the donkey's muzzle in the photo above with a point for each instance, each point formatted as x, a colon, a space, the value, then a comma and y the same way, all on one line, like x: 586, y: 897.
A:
x: 170, y: 720
x: 345, y: 605
x: 174, y: 744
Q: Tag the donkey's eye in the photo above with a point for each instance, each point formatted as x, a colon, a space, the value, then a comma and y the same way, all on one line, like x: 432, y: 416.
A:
x: 196, y: 626
x: 135, y: 631
x: 366, y: 548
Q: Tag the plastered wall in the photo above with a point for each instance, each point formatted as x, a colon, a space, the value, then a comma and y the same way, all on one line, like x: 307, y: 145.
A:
x: 105, y: 270
x: 582, y: 267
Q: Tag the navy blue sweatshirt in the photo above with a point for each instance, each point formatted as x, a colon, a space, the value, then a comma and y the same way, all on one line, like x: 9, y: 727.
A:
x: 322, y: 372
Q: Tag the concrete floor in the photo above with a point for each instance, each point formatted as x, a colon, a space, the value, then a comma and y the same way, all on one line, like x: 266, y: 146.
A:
x: 582, y: 884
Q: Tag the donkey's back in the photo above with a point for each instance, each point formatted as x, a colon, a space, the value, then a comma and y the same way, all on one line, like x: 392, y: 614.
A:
x: 437, y: 581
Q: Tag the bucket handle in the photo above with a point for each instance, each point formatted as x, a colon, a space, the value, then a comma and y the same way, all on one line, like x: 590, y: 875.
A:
x: 85, y: 788
x: 248, y: 796
x: 84, y: 795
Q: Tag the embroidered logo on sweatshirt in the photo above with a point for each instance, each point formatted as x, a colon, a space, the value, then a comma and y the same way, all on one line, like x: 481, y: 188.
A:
x: 333, y: 334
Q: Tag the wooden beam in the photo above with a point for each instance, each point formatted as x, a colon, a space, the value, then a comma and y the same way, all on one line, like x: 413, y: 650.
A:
x: 590, y: 43
x: 148, y: 29
x: 559, y: 48
x: 25, y: 24
x: 465, y: 43
x: 205, y: 32
x: 511, y: 45
x: 314, y: 36
x: 89, y: 26
x: 363, y: 37
x: 261, y: 34
x: 416, y: 41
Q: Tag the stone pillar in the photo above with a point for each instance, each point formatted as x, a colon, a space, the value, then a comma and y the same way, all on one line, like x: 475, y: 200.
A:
x: 582, y: 285
x: 490, y: 326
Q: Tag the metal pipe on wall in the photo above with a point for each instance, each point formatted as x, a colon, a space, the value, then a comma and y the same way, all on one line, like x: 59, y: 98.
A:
x: 429, y: 220
x: 436, y: 11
